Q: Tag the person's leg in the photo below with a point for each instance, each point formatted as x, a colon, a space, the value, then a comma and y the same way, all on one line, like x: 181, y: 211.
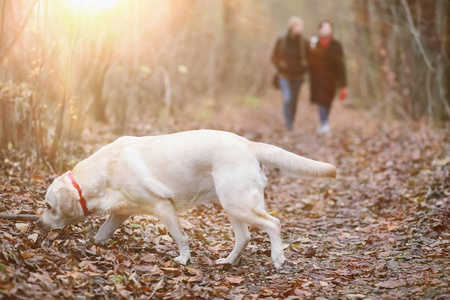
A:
x: 285, y: 87
x: 323, y: 114
x: 295, y: 91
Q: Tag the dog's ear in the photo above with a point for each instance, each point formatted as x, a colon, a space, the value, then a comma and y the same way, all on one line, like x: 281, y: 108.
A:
x: 67, y: 202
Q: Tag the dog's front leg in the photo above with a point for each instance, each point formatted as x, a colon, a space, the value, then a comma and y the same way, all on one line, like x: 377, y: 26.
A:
x: 167, y: 214
x: 111, y: 224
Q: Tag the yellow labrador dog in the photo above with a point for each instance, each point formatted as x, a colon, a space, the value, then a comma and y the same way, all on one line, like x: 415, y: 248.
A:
x: 161, y: 175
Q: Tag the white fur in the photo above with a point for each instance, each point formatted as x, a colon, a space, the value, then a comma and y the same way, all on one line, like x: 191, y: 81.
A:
x: 161, y: 175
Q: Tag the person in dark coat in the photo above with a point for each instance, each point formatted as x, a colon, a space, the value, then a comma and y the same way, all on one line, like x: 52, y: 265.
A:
x: 290, y: 59
x: 327, y: 72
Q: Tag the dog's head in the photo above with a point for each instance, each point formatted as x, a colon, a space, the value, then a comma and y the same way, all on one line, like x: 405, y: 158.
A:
x: 62, y: 205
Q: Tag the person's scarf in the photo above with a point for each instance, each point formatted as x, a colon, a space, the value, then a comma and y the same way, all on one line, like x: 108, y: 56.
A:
x: 325, y: 41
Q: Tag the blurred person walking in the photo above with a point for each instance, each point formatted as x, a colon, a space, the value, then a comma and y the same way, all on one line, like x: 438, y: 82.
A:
x: 327, y: 72
x: 290, y: 59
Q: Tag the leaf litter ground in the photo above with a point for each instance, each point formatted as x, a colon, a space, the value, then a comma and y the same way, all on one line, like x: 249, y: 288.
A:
x: 380, y: 231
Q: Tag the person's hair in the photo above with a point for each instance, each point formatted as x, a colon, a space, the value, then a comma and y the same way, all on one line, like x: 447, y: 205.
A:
x: 326, y: 21
x: 294, y: 20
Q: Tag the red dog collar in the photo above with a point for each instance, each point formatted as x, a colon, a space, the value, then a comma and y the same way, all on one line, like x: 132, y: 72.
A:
x: 82, y: 200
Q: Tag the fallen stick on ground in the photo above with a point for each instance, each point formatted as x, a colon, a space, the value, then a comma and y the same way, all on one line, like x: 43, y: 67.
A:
x: 20, y: 217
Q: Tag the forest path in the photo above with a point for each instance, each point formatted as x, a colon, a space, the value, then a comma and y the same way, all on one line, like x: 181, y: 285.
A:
x: 379, y: 231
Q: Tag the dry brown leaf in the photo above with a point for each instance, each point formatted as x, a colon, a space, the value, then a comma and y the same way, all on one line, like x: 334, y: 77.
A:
x: 391, y: 284
x: 234, y: 280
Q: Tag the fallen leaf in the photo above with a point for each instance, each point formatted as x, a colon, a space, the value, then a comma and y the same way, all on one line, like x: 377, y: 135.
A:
x: 354, y: 296
x: 148, y: 257
x: 28, y: 254
x: 8, y: 236
x: 234, y: 280
x: 391, y: 284
x: 391, y: 226
x: 167, y: 238
x: 380, y: 266
x: 323, y: 283
x: 170, y: 270
x: 33, y: 237
x: 23, y: 227
x: 441, y: 162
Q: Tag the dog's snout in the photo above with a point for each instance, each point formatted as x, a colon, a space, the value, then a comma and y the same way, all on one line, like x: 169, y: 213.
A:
x: 45, y: 227
x: 39, y: 222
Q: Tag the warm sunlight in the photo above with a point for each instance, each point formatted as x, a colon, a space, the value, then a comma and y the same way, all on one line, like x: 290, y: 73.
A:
x: 92, y: 5
x: 119, y: 117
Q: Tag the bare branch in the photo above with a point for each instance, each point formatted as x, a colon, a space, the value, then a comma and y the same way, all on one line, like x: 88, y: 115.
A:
x: 20, y: 217
x: 416, y: 35
x: 18, y: 32
x: 3, y: 21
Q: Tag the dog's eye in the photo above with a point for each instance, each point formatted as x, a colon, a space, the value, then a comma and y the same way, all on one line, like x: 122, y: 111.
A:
x: 49, y: 207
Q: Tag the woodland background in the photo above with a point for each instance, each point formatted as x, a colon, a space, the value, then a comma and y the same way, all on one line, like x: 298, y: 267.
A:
x: 74, y: 78
x: 141, y: 62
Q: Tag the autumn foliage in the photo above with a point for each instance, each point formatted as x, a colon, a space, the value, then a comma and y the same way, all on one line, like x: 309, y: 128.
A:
x: 379, y: 230
x: 74, y: 79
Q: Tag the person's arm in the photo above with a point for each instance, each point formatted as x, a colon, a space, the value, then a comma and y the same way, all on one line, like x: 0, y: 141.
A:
x: 342, y: 73
x: 276, y: 55
x: 306, y: 52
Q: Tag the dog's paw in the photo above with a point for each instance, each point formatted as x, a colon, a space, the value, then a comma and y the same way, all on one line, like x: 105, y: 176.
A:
x: 221, y: 261
x: 100, y: 242
x: 182, y: 260
x: 278, y: 261
x: 224, y: 261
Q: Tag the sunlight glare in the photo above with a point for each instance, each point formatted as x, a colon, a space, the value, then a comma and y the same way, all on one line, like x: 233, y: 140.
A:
x: 92, y: 5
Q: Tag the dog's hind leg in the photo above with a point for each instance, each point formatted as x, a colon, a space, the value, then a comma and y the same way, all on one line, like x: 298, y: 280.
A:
x: 167, y: 214
x: 242, y: 237
x: 260, y: 218
x: 243, y: 199
x: 271, y: 225
x: 111, y: 224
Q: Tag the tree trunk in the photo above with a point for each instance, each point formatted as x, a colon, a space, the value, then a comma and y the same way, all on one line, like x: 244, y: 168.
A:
x: 6, y: 111
x: 367, y: 82
x: 447, y: 52
x: 230, y: 9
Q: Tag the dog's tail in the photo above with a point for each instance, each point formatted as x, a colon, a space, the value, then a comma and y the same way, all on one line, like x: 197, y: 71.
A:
x: 290, y: 163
